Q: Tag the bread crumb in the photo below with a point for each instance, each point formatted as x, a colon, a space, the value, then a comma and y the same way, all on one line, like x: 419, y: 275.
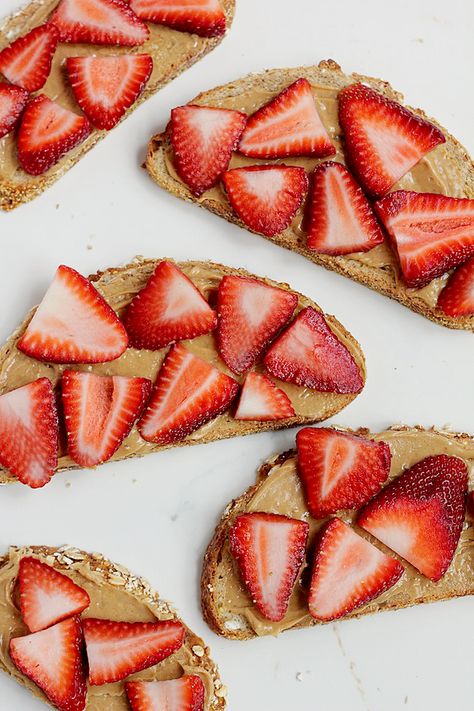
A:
x: 299, y: 676
x: 198, y: 650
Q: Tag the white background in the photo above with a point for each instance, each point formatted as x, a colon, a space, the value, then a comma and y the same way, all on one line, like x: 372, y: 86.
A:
x: 156, y: 515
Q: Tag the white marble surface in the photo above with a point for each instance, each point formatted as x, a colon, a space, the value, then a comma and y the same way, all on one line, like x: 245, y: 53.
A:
x: 156, y: 515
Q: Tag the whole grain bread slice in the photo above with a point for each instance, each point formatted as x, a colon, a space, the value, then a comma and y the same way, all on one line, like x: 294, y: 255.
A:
x: 458, y: 171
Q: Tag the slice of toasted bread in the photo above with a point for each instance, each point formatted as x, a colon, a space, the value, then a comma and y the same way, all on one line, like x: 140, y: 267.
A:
x: 226, y: 605
x: 115, y: 594
x: 118, y: 286
x: 447, y: 169
x: 172, y: 52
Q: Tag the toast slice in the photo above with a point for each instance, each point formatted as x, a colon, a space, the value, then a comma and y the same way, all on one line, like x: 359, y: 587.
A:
x: 115, y: 593
x: 172, y: 53
x: 118, y: 286
x: 226, y: 605
x: 447, y: 169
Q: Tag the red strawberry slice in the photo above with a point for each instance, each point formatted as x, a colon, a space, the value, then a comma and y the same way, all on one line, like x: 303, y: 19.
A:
x: 261, y: 400
x: 205, y: 18
x: 420, y: 514
x: 27, y: 61
x: 52, y: 659
x: 188, y: 393
x: 13, y: 100
x: 309, y: 354
x: 383, y: 140
x: 29, y: 432
x: 289, y: 125
x: 457, y: 297
x: 339, y: 470
x: 73, y: 324
x: 184, y: 694
x: 348, y: 572
x: 168, y: 309
x: 341, y: 220
x: 47, y: 596
x: 100, y: 411
x: 105, y: 87
x: 203, y: 139
x: 269, y: 550
x: 47, y: 132
x: 109, y: 22
x: 430, y: 233
x: 251, y: 313
x: 117, y: 649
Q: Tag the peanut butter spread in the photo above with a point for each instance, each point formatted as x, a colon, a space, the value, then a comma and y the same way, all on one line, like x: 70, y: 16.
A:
x: 281, y: 492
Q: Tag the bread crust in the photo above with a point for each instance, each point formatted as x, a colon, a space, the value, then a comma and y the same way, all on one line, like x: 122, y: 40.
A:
x: 329, y: 73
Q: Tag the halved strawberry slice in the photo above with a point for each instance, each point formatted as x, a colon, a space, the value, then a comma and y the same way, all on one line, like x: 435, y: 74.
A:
x: 421, y: 513
x: 269, y: 550
x: 309, y: 354
x: 47, y: 132
x: 188, y: 392
x: 13, y: 100
x: 100, y: 411
x: 46, y: 595
x: 73, y: 324
x: 105, y: 87
x: 289, y: 125
x: 341, y: 220
x: 29, y: 432
x: 348, y: 572
x: 430, y: 233
x: 261, y: 400
x: 251, y: 313
x: 266, y: 197
x: 457, y: 297
x: 203, y: 139
x: 27, y: 61
x: 117, y: 649
x: 205, y: 18
x: 184, y: 694
x: 52, y: 659
x: 383, y: 140
x: 109, y: 22
x: 168, y: 309
x: 339, y: 470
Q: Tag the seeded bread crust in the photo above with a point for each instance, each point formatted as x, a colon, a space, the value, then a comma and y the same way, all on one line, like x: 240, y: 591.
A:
x: 330, y: 74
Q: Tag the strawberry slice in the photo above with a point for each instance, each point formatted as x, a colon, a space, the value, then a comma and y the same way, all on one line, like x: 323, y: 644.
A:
x: 29, y: 432
x: 47, y: 596
x: 47, y: 132
x: 188, y: 393
x: 168, y: 309
x: 205, y: 18
x: 430, y: 233
x: 105, y: 87
x: 73, y: 324
x: 52, y: 659
x: 117, y: 649
x: 348, y: 572
x: 457, y: 297
x: 309, y: 354
x: 266, y: 197
x: 184, y: 694
x: 341, y: 220
x: 27, y: 61
x: 269, y: 550
x: 289, y: 125
x: 261, y: 400
x: 203, y: 139
x: 100, y: 411
x: 383, y: 140
x: 251, y: 313
x: 420, y: 515
x: 13, y: 100
x: 339, y: 470
x: 102, y: 22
